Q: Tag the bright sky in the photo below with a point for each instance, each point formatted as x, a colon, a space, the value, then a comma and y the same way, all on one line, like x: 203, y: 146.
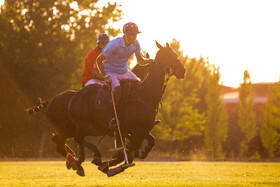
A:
x: 235, y: 35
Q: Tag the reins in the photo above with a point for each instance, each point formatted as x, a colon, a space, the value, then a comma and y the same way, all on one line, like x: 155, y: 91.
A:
x: 164, y: 88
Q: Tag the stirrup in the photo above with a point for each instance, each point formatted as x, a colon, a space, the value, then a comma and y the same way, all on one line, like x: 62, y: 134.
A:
x: 113, y: 124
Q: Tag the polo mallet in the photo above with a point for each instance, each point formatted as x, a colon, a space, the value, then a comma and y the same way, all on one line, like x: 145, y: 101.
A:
x: 119, y: 129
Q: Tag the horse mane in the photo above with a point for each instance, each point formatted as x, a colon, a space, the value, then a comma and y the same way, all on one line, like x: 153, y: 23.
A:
x: 141, y: 71
x: 131, y: 85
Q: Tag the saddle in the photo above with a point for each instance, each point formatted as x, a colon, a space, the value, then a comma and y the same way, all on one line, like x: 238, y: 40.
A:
x: 102, y: 95
x: 101, y: 99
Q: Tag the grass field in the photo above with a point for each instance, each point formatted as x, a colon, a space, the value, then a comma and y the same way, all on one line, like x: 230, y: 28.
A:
x: 54, y: 173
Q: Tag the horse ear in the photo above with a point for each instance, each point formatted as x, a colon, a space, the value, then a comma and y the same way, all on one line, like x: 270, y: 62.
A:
x: 158, y: 45
x: 167, y: 44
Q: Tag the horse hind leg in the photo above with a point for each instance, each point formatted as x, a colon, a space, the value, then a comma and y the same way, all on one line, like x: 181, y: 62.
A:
x: 81, y: 158
x: 65, y: 151
x: 60, y: 142
x: 97, y: 155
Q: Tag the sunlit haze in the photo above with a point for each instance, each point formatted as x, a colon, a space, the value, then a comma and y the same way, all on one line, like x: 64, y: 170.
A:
x: 235, y: 35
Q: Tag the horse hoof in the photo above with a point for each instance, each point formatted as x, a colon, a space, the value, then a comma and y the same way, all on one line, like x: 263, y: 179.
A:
x: 111, y: 173
x: 97, y: 161
x: 74, y: 166
x: 103, y: 167
x: 68, y: 164
x: 80, y: 171
x: 117, y: 170
x: 125, y: 166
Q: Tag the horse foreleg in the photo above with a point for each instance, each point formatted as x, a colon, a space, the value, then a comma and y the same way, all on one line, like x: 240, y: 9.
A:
x: 97, y: 155
x: 133, y: 145
x: 142, y: 154
x: 117, y: 158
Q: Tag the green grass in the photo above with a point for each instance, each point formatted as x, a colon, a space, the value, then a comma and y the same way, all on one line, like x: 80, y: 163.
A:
x: 54, y: 173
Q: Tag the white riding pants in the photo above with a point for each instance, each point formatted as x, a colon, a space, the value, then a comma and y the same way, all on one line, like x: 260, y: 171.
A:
x: 117, y: 77
x: 94, y: 81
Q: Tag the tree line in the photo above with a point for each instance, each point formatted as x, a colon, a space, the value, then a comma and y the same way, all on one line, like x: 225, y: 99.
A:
x: 43, y: 45
x: 195, y: 120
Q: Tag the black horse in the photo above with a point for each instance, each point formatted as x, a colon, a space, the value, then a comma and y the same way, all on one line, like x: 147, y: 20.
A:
x: 91, y: 112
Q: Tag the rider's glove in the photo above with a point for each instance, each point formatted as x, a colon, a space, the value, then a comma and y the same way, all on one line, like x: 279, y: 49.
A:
x: 107, y: 79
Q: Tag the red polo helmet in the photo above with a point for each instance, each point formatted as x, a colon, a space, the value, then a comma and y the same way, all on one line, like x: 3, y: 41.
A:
x: 130, y: 28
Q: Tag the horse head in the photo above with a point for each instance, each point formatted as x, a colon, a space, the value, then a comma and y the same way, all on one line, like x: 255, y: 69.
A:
x: 168, y: 60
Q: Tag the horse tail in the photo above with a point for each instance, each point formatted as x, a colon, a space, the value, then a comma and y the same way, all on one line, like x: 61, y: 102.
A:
x: 38, y: 108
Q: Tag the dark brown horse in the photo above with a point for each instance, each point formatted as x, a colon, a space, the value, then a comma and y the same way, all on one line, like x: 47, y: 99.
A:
x: 56, y: 113
x: 91, y: 114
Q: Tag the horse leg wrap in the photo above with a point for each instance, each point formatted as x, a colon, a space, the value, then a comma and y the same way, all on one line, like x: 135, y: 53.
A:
x: 69, y: 150
x: 97, y: 160
x: 125, y: 166
x: 103, y: 167
x: 112, y: 162
x: 117, y: 170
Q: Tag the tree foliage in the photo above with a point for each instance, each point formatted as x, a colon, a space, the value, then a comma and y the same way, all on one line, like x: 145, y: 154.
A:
x: 246, y: 114
x: 189, y: 104
x: 270, y: 130
x: 180, y: 119
x: 216, y: 120
x: 43, y: 45
x: 44, y: 42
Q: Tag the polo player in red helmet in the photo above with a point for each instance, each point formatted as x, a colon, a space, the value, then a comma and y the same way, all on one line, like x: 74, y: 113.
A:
x: 91, y: 74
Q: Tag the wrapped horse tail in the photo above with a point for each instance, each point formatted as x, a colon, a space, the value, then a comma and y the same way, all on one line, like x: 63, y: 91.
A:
x: 39, y: 107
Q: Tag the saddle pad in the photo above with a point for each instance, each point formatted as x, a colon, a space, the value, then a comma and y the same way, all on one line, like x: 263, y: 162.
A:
x: 103, y: 99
